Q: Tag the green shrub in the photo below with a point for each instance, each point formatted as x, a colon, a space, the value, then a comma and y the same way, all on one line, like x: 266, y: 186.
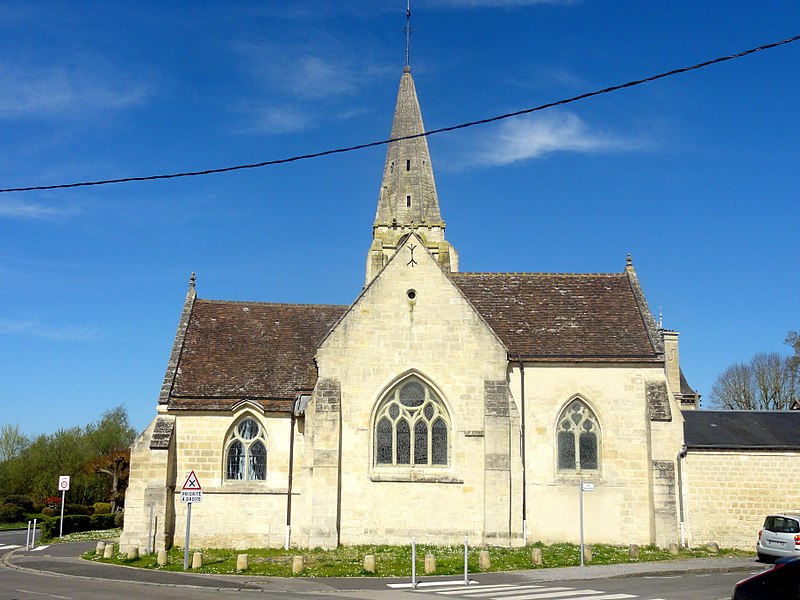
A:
x: 72, y: 524
x: 24, y: 502
x: 102, y: 508
x: 32, y: 516
x: 102, y: 521
x: 11, y: 513
x: 49, y: 511
x: 77, y: 509
x: 119, y: 518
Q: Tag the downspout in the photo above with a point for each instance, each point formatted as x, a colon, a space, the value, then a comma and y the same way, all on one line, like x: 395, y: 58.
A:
x: 291, y: 471
x: 522, y: 452
x: 681, y: 456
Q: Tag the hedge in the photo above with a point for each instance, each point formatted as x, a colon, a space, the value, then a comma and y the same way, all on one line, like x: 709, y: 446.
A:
x: 75, y: 524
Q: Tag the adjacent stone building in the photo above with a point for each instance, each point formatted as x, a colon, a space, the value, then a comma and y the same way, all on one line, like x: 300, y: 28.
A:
x: 439, y: 404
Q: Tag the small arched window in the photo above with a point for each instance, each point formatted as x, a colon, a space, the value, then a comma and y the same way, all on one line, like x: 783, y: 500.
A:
x: 412, y: 427
x: 578, y: 438
x: 246, y: 452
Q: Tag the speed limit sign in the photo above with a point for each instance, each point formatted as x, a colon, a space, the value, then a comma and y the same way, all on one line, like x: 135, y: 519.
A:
x: 63, y: 483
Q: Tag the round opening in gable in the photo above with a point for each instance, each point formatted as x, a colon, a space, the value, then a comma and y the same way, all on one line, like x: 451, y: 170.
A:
x: 411, y: 295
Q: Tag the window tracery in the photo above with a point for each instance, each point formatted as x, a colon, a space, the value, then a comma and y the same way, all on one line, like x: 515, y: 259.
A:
x: 578, y: 438
x: 412, y: 427
x: 246, y: 452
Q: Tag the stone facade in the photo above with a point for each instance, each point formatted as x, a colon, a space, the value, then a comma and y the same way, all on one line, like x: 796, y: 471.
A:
x: 438, y: 405
x: 728, y: 493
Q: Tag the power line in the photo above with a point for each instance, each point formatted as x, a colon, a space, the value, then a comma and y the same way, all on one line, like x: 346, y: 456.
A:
x: 518, y: 113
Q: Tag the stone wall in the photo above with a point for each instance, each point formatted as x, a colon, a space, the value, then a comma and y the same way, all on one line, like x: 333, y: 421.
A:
x: 412, y: 321
x: 233, y: 514
x: 728, y: 493
x: 635, y: 455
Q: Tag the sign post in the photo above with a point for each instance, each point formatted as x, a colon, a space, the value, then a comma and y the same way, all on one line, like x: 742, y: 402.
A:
x: 63, y: 485
x: 584, y: 486
x: 191, y: 492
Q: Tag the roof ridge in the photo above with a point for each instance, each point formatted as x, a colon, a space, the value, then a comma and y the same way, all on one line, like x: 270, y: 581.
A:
x: 212, y: 301
x: 537, y: 274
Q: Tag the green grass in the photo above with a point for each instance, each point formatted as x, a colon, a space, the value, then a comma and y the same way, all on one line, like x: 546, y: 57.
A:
x: 394, y: 561
x: 6, y: 526
x: 88, y: 536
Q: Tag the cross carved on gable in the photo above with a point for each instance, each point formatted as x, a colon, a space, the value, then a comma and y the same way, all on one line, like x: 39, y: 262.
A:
x: 411, y: 262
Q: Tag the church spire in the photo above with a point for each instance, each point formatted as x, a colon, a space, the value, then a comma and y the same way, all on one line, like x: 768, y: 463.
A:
x: 408, y: 200
x: 408, y: 192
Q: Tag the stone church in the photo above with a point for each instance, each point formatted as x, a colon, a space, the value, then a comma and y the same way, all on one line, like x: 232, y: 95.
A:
x: 439, y: 404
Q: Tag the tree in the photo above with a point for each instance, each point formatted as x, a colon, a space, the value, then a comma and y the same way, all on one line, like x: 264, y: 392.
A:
x: 12, y: 442
x: 116, y: 465
x: 90, y: 455
x: 768, y: 382
x: 111, y: 433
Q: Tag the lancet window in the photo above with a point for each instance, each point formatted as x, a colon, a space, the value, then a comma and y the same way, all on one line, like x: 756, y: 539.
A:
x: 412, y: 427
x: 246, y: 452
x: 578, y: 438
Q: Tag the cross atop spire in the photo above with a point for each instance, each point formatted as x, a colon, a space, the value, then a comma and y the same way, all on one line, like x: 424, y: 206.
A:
x: 408, y: 201
x: 408, y: 32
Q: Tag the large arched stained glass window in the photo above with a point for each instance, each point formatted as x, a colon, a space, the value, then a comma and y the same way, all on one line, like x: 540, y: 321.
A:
x: 578, y: 438
x: 412, y: 427
x: 246, y: 452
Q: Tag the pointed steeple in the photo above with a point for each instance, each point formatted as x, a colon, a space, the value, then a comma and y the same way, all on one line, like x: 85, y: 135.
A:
x: 408, y: 191
x: 408, y: 200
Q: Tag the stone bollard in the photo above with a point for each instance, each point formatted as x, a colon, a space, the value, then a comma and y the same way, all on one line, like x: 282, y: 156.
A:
x: 430, y: 563
x: 133, y: 553
x: 536, y: 556
x: 162, y: 557
x: 633, y: 551
x: 369, y: 563
x: 241, y: 562
x: 484, y: 562
x: 197, y: 560
x: 101, y: 546
x: 713, y: 547
x: 587, y: 553
x: 673, y: 549
x: 298, y: 564
x: 108, y: 551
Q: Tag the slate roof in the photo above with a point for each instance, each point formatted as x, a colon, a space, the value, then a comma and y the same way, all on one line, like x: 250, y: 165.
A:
x: 551, y: 316
x: 254, y: 350
x: 227, y: 352
x: 741, y: 429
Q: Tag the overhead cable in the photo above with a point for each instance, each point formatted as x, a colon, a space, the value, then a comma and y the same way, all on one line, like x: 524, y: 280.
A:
x: 517, y: 113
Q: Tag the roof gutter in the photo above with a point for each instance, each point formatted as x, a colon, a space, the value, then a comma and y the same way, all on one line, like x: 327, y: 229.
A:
x: 522, y: 451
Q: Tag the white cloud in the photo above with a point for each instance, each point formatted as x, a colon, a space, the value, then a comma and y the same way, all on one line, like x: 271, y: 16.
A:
x: 532, y: 136
x: 36, y: 329
x: 20, y: 209
x: 280, y: 119
x: 27, y: 91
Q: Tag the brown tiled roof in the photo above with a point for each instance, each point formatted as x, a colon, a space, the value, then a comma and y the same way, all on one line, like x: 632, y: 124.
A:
x: 260, y: 351
x: 561, y: 316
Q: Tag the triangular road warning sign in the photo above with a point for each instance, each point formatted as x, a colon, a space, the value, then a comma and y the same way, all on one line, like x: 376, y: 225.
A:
x: 192, y: 483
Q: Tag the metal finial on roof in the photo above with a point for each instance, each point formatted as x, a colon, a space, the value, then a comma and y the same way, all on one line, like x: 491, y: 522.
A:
x: 408, y: 33
x: 192, y: 280
x: 629, y: 261
x: 660, y: 318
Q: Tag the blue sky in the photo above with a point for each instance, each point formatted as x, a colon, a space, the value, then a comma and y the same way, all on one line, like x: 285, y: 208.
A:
x: 696, y: 175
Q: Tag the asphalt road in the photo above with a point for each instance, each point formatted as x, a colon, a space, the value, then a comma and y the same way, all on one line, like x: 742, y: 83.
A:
x: 9, y: 540
x: 89, y: 581
x: 22, y: 585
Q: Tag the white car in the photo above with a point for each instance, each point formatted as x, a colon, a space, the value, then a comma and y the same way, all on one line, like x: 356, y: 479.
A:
x: 780, y: 536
